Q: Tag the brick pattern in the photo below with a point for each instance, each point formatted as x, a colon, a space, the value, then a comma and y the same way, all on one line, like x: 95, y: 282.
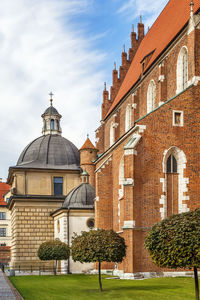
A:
x: 31, y: 226
x: 146, y: 195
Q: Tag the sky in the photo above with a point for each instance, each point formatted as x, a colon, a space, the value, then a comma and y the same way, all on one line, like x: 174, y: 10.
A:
x: 67, y: 47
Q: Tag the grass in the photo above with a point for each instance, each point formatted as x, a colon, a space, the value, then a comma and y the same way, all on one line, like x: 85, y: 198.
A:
x: 82, y: 287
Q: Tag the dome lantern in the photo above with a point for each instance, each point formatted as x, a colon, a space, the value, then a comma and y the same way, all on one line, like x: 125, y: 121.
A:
x: 51, y: 120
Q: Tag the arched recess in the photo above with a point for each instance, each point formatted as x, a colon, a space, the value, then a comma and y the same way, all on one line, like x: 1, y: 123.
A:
x: 174, y: 183
x: 151, y: 96
x: 112, y: 134
x: 128, y: 118
x: 182, y: 69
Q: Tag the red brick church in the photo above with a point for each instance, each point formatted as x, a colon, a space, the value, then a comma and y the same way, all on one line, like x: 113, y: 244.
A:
x: 148, y: 166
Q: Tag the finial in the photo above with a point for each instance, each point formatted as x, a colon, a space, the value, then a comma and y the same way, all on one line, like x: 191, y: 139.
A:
x: 104, y: 86
x: 114, y: 66
x: 51, y: 99
x: 132, y: 28
x: 148, y: 28
x: 191, y: 8
x: 124, y: 48
x: 88, y: 136
x: 140, y: 19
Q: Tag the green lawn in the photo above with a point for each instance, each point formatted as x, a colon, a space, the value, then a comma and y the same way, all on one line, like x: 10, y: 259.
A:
x: 79, y: 287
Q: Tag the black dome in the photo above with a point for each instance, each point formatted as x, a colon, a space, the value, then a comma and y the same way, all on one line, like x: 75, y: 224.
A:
x: 80, y: 197
x: 51, y: 152
x: 51, y: 111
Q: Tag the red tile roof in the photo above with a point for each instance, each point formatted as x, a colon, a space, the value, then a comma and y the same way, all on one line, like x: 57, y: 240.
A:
x: 169, y: 23
x: 88, y: 145
x: 4, y: 187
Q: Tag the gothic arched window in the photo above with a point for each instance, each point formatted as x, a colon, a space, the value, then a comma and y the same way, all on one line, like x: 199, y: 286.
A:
x: 151, y: 96
x: 171, y: 164
x: 52, y: 124
x: 128, y: 118
x: 182, y: 70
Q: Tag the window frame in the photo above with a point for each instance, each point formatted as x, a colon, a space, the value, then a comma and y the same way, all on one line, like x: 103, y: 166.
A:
x: 56, y: 186
x: 2, y: 213
x: 3, y: 232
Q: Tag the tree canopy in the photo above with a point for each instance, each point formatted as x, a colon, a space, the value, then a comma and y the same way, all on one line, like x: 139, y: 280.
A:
x: 98, y: 246
x: 175, y: 242
x: 53, y: 250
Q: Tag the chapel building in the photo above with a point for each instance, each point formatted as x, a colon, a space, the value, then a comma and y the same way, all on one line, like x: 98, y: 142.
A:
x: 52, y: 195
x: 148, y: 165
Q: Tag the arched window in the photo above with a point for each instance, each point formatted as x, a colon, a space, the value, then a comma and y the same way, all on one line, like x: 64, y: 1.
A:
x: 151, y: 96
x: 128, y: 118
x: 172, y: 186
x: 112, y: 134
x: 182, y: 70
x: 52, y: 124
x: 171, y: 164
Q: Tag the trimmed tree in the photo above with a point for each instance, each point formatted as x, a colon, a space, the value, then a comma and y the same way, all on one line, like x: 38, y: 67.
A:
x: 53, y: 250
x: 98, y: 246
x: 175, y: 243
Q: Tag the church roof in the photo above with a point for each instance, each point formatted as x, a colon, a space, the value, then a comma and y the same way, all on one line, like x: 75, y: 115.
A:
x: 51, y: 111
x: 4, y: 188
x: 50, y: 152
x: 88, y: 145
x: 80, y: 197
x: 169, y: 23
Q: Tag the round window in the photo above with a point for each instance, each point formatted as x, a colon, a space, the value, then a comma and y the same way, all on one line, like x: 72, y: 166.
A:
x: 90, y: 223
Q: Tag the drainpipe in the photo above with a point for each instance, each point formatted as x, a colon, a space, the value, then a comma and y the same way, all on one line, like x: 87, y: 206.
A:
x: 68, y: 266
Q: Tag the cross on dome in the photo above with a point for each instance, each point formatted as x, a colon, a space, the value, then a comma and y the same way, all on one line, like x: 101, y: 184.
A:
x: 51, y: 99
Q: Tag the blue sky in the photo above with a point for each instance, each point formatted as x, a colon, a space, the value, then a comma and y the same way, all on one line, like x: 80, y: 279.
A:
x: 65, y: 46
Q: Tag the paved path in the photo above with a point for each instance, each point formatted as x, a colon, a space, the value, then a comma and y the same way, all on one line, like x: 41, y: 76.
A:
x: 7, y: 292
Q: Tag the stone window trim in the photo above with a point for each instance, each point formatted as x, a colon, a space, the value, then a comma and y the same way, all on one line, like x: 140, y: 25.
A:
x: 112, y: 132
x: 182, y: 181
x: 175, y: 121
x: 128, y: 117
x: 151, y: 96
x: 182, y: 70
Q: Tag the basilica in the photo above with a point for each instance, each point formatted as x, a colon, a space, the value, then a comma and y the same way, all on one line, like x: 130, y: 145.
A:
x: 145, y: 165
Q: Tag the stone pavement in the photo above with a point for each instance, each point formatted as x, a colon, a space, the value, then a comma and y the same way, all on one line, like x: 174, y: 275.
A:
x: 7, y: 291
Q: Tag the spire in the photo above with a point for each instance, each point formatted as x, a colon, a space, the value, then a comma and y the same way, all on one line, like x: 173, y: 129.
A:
x: 191, y: 8
x: 51, y: 99
x: 124, y: 48
x: 140, y: 19
x: 114, y: 66
x: 132, y: 28
x: 104, y: 86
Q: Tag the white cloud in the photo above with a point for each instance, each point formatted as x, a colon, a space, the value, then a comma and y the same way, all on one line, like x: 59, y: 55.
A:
x: 41, y: 49
x: 147, y: 8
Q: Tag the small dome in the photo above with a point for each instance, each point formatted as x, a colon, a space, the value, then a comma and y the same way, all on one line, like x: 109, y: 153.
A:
x: 51, y: 111
x: 80, y: 197
x: 50, y: 152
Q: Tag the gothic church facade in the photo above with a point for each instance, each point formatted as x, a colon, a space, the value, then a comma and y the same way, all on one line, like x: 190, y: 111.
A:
x: 148, y: 165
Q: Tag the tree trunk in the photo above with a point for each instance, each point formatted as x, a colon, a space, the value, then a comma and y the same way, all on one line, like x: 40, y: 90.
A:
x: 196, y: 283
x: 100, y: 284
x: 55, y: 267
